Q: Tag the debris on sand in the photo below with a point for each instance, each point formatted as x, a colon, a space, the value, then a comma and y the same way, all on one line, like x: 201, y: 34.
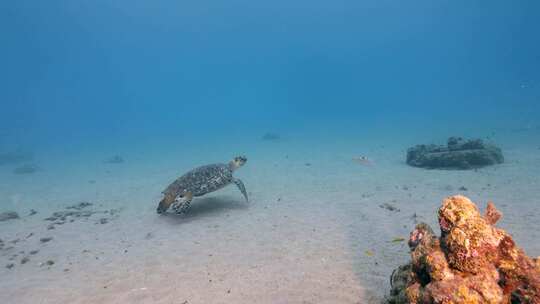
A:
x: 389, y: 207
x: 116, y: 159
x: 76, y: 211
x: 63, y: 215
x: 457, y: 154
x: 26, y: 169
x: 363, y: 160
x: 80, y: 206
x: 32, y: 212
x: 8, y: 215
x: 472, y: 261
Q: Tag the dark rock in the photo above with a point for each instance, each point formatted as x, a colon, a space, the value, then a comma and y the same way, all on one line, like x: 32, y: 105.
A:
x: 117, y: 159
x: 45, y: 239
x: 32, y: 212
x: 34, y: 252
x: 26, y: 169
x: 10, y: 265
x: 463, y: 188
x: 25, y: 260
x: 14, y: 157
x: 103, y: 221
x: 49, y: 263
x: 8, y: 215
x: 457, y: 154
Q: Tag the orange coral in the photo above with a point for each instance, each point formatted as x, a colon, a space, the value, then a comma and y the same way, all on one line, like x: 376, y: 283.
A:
x: 472, y: 261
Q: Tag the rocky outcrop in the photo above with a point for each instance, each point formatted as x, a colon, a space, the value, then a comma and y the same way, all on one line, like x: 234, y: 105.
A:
x: 471, y: 262
x: 457, y: 154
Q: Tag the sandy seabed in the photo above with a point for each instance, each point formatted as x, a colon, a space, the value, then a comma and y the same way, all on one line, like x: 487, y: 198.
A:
x: 314, y: 231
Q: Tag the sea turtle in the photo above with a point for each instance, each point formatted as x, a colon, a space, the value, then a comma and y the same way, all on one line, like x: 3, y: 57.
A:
x: 200, y: 181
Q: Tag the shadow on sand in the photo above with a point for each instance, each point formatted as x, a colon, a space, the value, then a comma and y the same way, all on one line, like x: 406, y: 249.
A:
x: 206, y: 207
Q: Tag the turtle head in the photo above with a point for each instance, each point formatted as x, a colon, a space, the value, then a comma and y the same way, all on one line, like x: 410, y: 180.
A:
x: 174, y: 201
x: 237, y: 162
x: 165, y: 203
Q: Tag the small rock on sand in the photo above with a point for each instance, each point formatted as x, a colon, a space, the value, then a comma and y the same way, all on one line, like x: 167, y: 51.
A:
x: 8, y: 215
x: 45, y: 239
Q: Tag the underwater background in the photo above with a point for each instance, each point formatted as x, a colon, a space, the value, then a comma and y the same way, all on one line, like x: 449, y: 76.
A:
x: 110, y: 101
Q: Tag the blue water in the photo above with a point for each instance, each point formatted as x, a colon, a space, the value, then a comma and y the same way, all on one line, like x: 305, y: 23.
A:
x: 87, y: 72
x: 169, y: 85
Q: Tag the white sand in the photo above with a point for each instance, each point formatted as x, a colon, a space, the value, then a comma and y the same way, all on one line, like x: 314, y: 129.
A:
x: 302, y: 239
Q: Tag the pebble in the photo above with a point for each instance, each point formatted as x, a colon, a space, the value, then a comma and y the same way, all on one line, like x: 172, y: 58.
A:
x: 45, y: 239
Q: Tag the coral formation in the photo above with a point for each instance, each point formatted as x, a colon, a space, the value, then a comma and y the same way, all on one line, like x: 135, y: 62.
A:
x: 457, y: 154
x: 471, y: 262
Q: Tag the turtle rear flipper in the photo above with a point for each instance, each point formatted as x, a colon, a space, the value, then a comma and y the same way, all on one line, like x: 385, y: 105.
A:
x: 240, y: 186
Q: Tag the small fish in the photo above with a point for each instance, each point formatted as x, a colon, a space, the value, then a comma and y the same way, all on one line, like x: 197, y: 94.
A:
x: 398, y: 240
x: 363, y: 160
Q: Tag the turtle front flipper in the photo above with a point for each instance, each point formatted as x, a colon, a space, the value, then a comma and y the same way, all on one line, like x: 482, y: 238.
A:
x: 240, y: 186
x: 182, y: 202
